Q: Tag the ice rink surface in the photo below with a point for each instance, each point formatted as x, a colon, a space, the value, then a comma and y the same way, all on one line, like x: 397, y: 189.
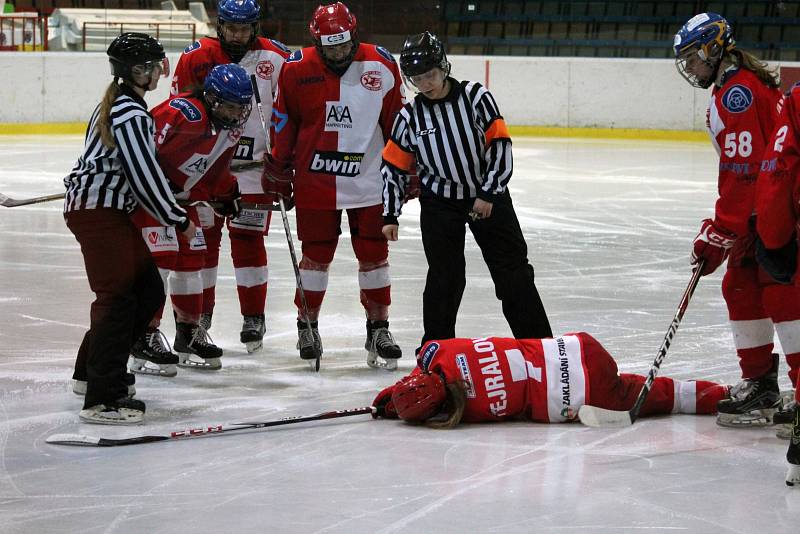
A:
x: 608, y: 225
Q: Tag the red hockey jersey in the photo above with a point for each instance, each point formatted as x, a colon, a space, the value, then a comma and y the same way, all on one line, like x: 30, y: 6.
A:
x: 778, y: 190
x: 543, y: 380
x: 332, y: 129
x: 194, y: 156
x: 265, y: 60
x: 740, y: 119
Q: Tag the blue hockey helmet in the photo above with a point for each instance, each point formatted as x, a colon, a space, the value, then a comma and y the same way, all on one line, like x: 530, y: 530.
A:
x: 709, y: 36
x: 229, y: 95
x: 237, y: 12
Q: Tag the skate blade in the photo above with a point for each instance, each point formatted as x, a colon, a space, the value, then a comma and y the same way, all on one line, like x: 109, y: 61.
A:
x: 376, y: 362
x: 757, y: 418
x: 254, y: 346
x: 193, y: 361
x: 126, y: 417
x: 146, y: 367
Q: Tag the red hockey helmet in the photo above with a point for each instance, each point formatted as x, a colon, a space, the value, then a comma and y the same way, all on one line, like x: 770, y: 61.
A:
x: 419, y: 397
x: 332, y: 24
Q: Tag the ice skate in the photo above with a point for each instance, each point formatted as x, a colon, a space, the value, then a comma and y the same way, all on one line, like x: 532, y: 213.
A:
x: 793, y: 454
x: 152, y: 355
x: 752, y: 402
x: 124, y: 411
x: 205, y: 321
x: 309, y: 343
x: 79, y: 386
x: 195, y: 351
x: 783, y: 418
x: 382, y: 350
x: 252, y: 334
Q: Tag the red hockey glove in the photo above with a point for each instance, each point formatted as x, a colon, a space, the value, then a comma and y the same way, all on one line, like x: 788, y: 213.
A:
x: 384, y: 407
x: 711, y: 244
x: 277, y: 179
x: 412, y: 188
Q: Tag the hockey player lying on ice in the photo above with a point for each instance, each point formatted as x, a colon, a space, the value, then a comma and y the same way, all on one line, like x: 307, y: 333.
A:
x: 542, y: 380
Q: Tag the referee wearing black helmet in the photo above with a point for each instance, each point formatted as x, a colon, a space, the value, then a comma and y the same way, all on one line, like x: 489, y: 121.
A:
x: 453, y: 135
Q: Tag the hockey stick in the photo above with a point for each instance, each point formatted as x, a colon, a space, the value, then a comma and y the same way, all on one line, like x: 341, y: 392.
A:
x: 288, y: 231
x: 9, y: 202
x: 211, y: 430
x: 601, y: 417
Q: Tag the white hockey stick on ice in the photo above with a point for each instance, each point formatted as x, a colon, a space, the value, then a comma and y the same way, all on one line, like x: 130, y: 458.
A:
x: 601, y: 417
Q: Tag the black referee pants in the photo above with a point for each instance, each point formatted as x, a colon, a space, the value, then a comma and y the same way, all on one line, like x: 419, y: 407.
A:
x: 504, y: 250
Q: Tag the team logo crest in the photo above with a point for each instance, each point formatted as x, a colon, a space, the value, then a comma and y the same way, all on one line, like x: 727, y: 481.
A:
x: 264, y: 69
x: 737, y: 99
x: 372, y: 80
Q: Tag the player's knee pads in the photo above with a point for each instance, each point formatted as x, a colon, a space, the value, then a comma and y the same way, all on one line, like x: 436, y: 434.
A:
x: 370, y: 250
x: 247, y: 249
x: 319, y: 253
x: 741, y: 289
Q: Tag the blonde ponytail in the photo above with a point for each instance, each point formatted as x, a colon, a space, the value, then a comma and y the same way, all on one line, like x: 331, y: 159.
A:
x: 104, y: 117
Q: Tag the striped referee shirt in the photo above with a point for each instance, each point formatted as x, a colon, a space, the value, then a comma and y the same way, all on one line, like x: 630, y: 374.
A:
x: 460, y: 145
x: 127, y: 174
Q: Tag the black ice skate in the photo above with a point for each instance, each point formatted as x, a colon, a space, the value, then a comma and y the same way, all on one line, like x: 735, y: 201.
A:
x: 79, y: 386
x: 752, y: 402
x: 152, y: 355
x: 194, y: 349
x: 783, y: 418
x: 793, y: 454
x: 252, y: 334
x: 124, y: 411
x: 382, y: 350
x: 309, y: 343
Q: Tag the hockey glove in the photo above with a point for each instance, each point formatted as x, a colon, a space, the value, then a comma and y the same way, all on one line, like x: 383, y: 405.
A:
x: 713, y: 245
x: 781, y: 263
x: 231, y: 205
x: 277, y: 179
x: 384, y: 407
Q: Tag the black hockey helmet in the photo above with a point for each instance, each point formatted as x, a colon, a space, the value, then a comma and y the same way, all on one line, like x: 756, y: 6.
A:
x: 421, y: 53
x: 132, y: 49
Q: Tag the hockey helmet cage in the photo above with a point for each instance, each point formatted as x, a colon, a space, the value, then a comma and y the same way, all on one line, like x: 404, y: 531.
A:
x: 332, y: 24
x: 419, y: 397
x: 422, y: 53
x: 228, y: 84
x: 238, y: 12
x: 133, y: 49
x: 708, y: 35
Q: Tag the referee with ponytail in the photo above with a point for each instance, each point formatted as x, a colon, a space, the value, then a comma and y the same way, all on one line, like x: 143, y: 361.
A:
x: 453, y: 136
x: 117, y: 171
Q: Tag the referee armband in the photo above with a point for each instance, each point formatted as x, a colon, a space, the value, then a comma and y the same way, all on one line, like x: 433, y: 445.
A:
x: 397, y: 157
x: 497, y: 130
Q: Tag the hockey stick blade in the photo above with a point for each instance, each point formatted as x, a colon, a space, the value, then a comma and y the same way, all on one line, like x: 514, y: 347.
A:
x: 211, y: 430
x: 602, y: 418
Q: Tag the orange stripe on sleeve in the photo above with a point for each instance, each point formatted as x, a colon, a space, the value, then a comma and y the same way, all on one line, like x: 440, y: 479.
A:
x: 397, y: 156
x: 497, y: 130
